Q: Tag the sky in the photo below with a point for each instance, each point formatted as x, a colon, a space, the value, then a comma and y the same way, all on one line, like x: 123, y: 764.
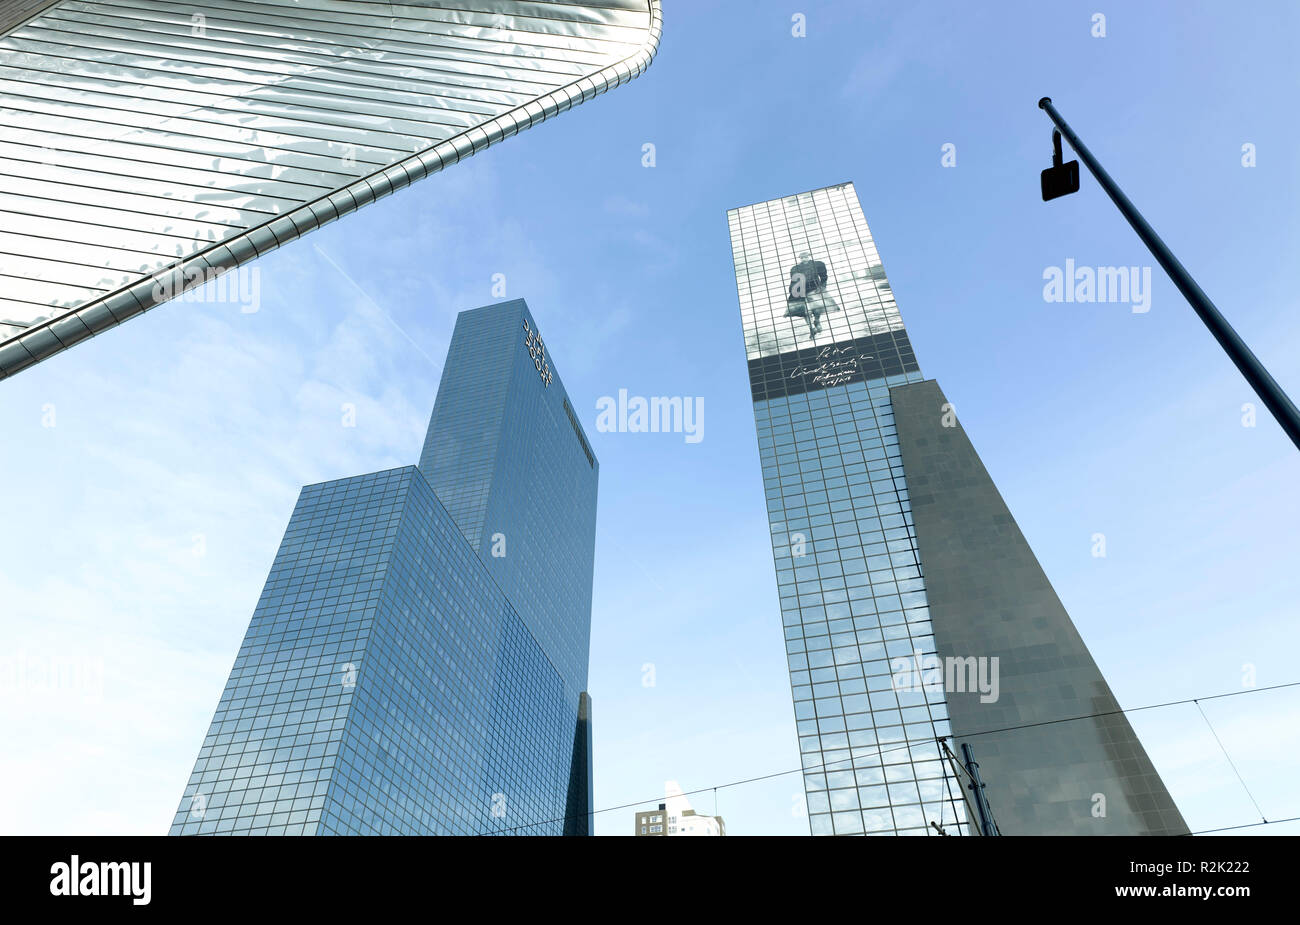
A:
x: 149, y: 472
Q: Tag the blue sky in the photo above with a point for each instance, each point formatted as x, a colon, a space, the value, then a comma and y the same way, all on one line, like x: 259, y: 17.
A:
x: 139, y: 528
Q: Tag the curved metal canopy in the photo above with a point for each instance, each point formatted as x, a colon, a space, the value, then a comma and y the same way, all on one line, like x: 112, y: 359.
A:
x: 147, y: 145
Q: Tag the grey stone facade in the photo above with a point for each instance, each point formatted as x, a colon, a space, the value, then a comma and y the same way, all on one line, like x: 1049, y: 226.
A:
x: 988, y: 598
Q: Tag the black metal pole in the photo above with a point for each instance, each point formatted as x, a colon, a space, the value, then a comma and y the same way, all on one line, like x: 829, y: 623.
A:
x: 1269, y: 392
x: 981, y: 801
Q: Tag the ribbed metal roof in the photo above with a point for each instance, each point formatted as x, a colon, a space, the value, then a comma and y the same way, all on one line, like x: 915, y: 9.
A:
x: 147, y: 144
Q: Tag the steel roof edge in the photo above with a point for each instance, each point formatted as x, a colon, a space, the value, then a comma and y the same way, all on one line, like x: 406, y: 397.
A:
x: 55, y: 335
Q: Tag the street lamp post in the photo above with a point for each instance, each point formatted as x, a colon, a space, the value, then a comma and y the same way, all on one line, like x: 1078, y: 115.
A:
x: 1265, y: 386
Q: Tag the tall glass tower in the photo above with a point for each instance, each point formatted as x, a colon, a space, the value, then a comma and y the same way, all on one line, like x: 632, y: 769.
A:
x: 913, y: 609
x: 417, y: 662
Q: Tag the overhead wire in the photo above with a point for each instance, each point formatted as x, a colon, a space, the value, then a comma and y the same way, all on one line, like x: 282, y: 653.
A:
x: 908, y: 743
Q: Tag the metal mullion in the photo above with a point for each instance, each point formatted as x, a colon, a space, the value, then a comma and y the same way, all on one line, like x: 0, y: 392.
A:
x: 46, y: 180
x: 10, y: 94
x: 289, y: 106
x: 201, y: 57
x: 268, y: 17
x: 98, y: 141
x: 376, y: 78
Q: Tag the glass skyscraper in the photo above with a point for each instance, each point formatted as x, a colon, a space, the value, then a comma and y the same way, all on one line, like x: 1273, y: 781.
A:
x: 912, y: 608
x: 417, y: 662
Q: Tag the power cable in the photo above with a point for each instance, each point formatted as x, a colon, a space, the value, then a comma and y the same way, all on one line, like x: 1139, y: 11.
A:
x: 1230, y: 763
x: 905, y: 743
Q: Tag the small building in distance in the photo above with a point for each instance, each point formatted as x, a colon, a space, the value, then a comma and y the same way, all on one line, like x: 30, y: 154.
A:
x: 676, y: 817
